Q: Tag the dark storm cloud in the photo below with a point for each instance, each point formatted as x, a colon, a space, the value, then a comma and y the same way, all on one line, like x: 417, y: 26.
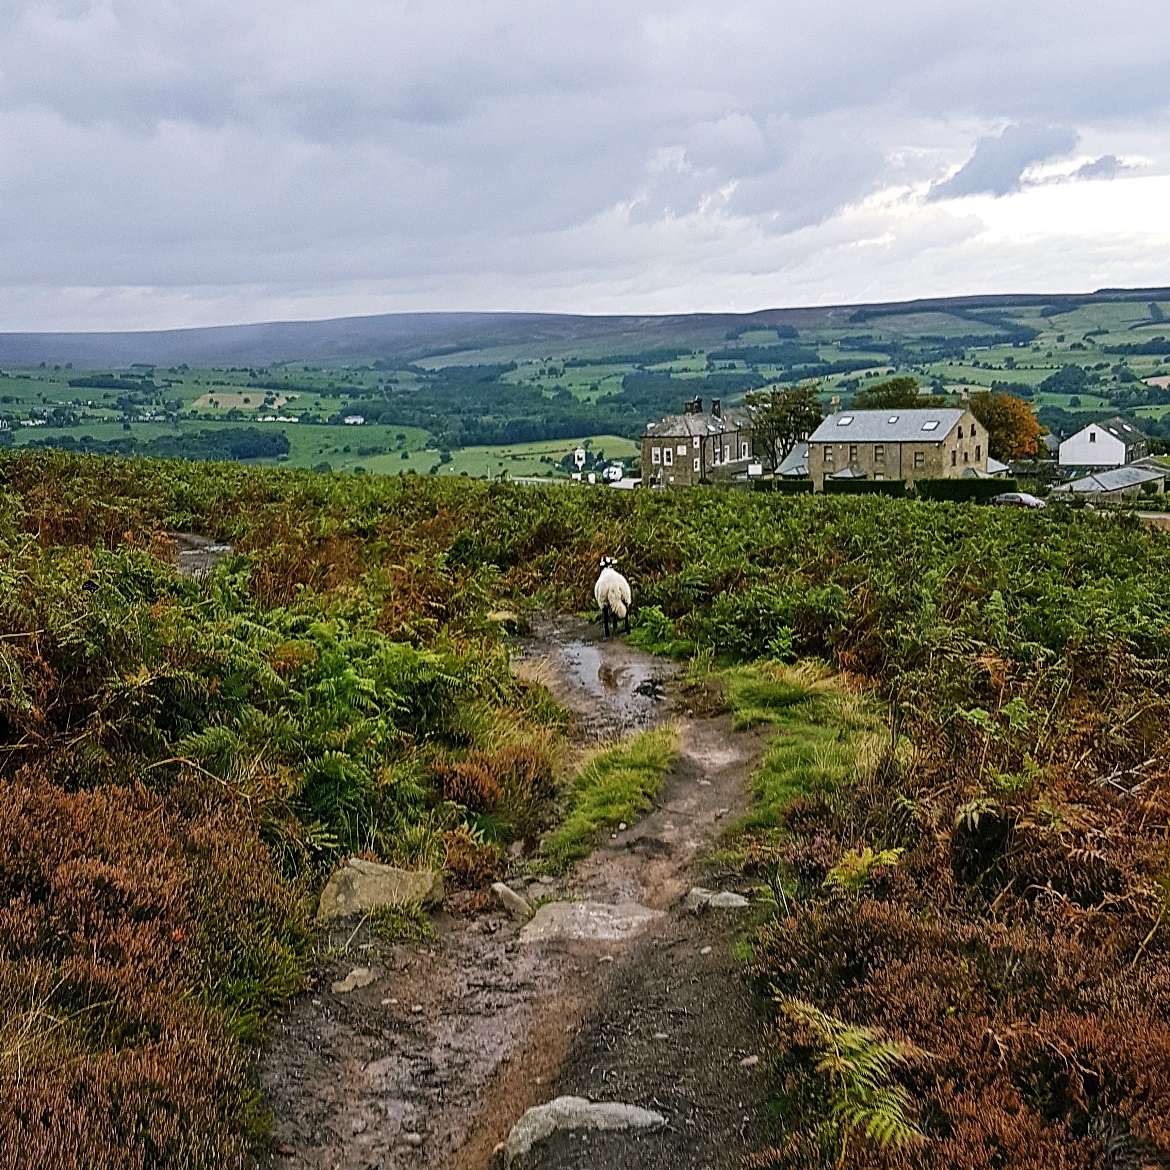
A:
x: 179, y: 147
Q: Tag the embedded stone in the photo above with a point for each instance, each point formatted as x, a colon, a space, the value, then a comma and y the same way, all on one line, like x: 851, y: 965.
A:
x: 361, y: 886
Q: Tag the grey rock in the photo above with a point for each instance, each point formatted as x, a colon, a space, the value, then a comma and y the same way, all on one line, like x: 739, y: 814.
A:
x: 358, y: 977
x: 360, y: 886
x: 728, y: 901
x: 700, y: 898
x: 573, y: 1113
x: 517, y: 906
x: 588, y: 920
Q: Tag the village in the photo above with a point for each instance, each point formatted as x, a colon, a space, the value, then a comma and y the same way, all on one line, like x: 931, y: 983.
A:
x: 892, y: 451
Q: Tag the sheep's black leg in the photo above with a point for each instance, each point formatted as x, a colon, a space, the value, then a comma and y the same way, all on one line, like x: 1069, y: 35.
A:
x: 627, y: 621
x: 605, y: 618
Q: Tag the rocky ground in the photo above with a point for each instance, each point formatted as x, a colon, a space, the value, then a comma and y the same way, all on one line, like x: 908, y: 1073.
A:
x: 634, y: 998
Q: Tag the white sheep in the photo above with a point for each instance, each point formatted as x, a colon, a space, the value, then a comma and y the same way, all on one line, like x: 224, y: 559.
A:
x: 612, y: 593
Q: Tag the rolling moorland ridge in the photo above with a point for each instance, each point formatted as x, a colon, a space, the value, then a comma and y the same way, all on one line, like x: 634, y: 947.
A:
x: 853, y: 853
x: 484, y: 394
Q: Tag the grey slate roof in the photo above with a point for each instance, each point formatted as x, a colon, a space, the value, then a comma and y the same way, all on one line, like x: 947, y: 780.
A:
x: 1120, y: 429
x: 887, y: 426
x: 1113, y: 480
x: 678, y: 425
x: 994, y: 468
x: 795, y: 463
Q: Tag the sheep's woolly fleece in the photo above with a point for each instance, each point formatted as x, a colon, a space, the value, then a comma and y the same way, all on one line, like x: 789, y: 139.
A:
x: 612, y: 591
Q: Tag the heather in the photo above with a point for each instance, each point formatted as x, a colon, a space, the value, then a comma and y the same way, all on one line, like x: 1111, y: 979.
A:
x: 962, y: 822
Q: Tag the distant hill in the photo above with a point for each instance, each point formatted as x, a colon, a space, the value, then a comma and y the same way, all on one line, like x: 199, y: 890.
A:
x: 414, y: 336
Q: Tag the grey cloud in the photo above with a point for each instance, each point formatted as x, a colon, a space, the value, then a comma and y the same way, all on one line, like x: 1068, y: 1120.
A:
x: 999, y: 162
x: 299, y: 144
x: 1105, y: 167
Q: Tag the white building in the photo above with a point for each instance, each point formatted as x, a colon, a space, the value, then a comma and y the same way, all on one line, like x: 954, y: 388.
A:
x: 1112, y: 443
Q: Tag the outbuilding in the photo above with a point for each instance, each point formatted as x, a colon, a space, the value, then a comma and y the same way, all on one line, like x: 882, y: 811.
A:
x: 1118, y: 483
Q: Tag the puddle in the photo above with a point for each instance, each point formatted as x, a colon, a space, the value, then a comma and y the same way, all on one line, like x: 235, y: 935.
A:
x: 610, y: 687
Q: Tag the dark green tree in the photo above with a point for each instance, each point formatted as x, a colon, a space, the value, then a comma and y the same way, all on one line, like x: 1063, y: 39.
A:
x: 895, y: 394
x: 783, y: 418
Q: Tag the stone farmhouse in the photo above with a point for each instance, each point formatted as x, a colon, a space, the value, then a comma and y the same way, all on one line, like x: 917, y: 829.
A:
x: 897, y: 444
x: 1112, y: 443
x: 688, y: 448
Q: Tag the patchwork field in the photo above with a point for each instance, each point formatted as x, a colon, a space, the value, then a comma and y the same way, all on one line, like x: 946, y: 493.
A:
x: 485, y: 404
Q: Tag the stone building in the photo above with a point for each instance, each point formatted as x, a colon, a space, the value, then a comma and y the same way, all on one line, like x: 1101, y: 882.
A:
x: 896, y: 444
x: 685, y: 449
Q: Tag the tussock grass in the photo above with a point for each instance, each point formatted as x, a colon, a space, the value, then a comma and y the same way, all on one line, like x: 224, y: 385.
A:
x: 401, y: 924
x: 616, y: 784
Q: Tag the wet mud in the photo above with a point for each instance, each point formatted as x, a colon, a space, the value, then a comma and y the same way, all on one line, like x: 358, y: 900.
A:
x: 194, y: 555
x: 432, y: 1062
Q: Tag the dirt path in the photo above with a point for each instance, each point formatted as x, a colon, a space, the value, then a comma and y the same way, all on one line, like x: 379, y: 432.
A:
x: 431, y: 1064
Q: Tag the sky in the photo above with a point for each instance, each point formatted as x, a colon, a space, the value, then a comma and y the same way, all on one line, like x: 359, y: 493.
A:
x: 186, y: 162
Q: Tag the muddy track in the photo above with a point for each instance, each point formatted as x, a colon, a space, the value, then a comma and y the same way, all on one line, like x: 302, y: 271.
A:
x: 431, y: 1063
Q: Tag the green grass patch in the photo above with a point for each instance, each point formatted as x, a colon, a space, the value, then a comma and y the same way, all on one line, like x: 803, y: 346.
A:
x: 823, y: 733
x: 397, y: 924
x: 615, y: 785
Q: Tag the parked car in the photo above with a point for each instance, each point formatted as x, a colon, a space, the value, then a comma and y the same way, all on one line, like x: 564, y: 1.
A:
x: 1017, y: 500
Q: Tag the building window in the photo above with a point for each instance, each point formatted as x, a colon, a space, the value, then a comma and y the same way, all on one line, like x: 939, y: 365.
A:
x: 696, y: 467
x: 1092, y: 436
x: 668, y: 456
x: 966, y: 456
x: 852, y: 452
x: 743, y: 450
x: 960, y: 432
x: 695, y: 442
x: 919, y: 460
x: 682, y: 448
x: 977, y: 456
x: 726, y: 452
x: 879, y: 453
x: 828, y: 453
x: 954, y: 458
x: 656, y: 455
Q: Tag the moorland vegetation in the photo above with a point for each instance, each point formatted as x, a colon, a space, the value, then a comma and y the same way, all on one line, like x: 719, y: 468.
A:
x: 960, y: 831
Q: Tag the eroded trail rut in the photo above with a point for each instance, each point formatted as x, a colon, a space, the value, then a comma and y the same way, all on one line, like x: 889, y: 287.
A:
x: 431, y: 1064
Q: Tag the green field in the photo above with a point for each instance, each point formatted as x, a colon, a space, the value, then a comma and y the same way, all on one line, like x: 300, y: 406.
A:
x: 492, y: 406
